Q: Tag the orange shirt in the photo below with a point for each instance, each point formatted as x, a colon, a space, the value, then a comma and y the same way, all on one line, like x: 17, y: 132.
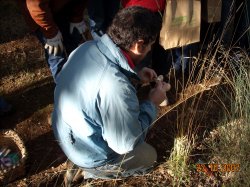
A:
x: 40, y: 13
x: 129, y: 59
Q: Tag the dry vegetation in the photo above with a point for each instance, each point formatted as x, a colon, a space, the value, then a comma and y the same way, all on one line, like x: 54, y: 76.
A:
x: 208, y: 123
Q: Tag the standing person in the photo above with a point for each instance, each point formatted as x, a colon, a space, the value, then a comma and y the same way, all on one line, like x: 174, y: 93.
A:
x: 97, y: 119
x: 59, y: 26
x: 101, y: 13
x: 161, y: 58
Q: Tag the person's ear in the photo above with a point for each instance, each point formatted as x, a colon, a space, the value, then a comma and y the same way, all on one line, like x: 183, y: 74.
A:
x: 139, y: 45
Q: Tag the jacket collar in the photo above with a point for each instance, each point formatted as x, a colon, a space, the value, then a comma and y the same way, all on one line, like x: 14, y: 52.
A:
x: 129, y: 59
x: 114, y: 53
x: 109, y: 49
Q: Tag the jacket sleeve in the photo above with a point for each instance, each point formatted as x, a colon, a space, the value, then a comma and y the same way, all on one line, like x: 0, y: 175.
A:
x: 125, y: 122
x: 42, y: 15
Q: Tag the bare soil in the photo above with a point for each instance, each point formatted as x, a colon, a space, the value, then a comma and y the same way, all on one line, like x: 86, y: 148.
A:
x: 26, y: 83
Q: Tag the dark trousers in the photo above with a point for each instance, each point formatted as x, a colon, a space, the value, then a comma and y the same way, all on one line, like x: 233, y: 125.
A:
x: 101, y: 14
x: 162, y: 60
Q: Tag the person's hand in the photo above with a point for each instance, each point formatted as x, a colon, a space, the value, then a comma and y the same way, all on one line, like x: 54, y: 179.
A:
x: 158, y: 94
x: 80, y: 27
x: 54, y: 45
x: 147, y: 75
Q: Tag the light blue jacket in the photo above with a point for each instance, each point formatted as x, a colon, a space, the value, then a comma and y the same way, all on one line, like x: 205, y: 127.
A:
x: 97, y: 115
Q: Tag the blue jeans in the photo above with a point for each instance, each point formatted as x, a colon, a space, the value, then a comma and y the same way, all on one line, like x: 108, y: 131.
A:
x: 183, y: 57
x: 101, y: 14
x: 70, y: 42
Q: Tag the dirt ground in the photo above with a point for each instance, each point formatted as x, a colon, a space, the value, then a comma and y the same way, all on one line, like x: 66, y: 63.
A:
x: 26, y: 82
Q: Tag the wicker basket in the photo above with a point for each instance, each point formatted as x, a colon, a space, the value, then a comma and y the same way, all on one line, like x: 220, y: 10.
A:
x: 11, y: 140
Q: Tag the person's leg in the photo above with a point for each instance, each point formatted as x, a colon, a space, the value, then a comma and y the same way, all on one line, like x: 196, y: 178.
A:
x: 137, y: 162
x: 111, y: 7
x: 183, y: 62
x: 70, y: 42
x: 101, y: 14
x: 96, y: 18
x: 161, y: 60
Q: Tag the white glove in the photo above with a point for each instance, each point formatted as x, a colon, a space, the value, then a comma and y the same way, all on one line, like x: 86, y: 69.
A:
x: 55, y: 44
x: 81, y: 28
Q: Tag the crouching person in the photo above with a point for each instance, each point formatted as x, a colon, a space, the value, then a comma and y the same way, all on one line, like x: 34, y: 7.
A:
x: 97, y: 118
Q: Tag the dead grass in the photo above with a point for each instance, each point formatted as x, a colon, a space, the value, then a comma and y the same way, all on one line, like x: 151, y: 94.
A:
x: 230, y: 141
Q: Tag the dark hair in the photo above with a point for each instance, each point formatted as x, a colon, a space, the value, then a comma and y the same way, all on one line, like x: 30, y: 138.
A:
x: 132, y: 24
